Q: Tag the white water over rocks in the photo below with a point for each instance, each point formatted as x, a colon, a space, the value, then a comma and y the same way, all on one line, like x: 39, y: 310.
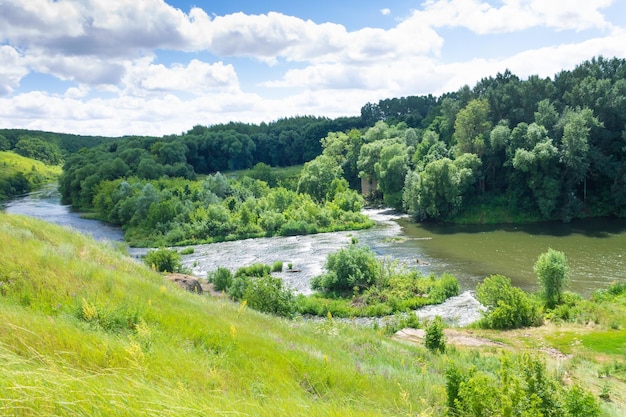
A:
x: 307, y: 253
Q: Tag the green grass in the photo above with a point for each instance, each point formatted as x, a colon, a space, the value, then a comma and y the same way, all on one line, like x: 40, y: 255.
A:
x: 19, y: 174
x: 88, y: 331
x: 11, y: 163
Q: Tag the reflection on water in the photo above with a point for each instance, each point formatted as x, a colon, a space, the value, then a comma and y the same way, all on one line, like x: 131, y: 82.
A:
x: 595, y: 249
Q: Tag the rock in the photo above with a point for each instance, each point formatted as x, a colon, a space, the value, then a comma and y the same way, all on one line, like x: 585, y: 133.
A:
x: 186, y: 282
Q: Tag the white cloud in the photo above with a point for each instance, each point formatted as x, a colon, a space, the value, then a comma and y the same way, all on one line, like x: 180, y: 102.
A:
x: 12, y: 69
x: 113, y: 46
x: 197, y: 78
x: 385, y: 11
x: 514, y: 15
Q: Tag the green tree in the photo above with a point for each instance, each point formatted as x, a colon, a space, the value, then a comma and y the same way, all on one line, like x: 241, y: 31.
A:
x: 262, y: 171
x: 317, y: 175
x: 552, y: 270
x: 391, y: 171
x: 36, y: 148
x: 472, y: 126
x: 540, y: 170
x: 5, y: 145
x: 437, y: 192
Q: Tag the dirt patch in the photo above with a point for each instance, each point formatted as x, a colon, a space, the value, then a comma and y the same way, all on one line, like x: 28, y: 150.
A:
x: 453, y: 337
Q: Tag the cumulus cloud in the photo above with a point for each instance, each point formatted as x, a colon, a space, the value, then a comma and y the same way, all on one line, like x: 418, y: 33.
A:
x: 514, y: 15
x: 326, y: 69
x: 197, y: 78
x: 12, y: 69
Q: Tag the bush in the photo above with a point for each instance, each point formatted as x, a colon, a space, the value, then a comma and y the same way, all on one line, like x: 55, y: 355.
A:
x: 352, y: 269
x: 254, y: 270
x: 268, y: 295
x: 581, y: 404
x: 445, y: 287
x: 238, y: 288
x: 164, y: 260
x: 434, y: 340
x: 507, y: 307
x: 551, y: 269
x: 221, y: 278
x: 187, y: 251
x: 277, y: 266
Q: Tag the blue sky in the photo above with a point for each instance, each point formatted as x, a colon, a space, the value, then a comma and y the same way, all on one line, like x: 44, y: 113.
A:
x: 158, y: 67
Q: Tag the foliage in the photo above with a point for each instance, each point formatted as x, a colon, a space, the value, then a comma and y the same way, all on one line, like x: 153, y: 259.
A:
x: 221, y: 278
x: 181, y: 212
x: 508, y: 307
x: 351, y: 269
x: 317, y: 176
x: 267, y: 294
x: 277, y: 266
x: 521, y: 386
x: 434, y: 339
x: 552, y: 270
x: 163, y: 260
x: 396, y: 290
x: 39, y: 149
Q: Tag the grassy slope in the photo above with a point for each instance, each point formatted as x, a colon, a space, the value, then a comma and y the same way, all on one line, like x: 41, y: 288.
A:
x: 11, y: 162
x: 35, y: 171
x: 87, y: 331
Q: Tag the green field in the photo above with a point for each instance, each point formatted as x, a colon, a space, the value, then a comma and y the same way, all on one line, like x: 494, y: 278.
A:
x: 19, y: 174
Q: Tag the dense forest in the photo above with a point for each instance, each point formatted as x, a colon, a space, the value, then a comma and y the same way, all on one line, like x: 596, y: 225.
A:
x: 505, y: 150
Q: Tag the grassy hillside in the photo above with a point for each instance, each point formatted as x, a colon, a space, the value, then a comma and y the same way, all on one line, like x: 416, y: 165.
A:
x: 87, y: 331
x: 20, y: 174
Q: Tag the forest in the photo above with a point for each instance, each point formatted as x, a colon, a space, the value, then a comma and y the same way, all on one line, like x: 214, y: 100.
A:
x: 505, y: 150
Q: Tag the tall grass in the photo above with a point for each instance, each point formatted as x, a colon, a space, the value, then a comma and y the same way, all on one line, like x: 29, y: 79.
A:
x: 87, y: 331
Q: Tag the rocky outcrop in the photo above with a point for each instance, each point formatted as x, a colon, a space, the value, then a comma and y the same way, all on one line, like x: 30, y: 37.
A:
x: 186, y: 282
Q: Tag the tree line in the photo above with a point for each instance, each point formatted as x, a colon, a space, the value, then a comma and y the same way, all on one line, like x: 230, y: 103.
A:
x: 505, y: 150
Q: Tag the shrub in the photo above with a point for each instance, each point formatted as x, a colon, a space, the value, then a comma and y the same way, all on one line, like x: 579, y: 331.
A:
x: 268, y: 295
x: 581, y: 404
x: 238, y: 288
x: 445, y: 287
x: 551, y: 269
x: 221, y: 278
x: 277, y: 266
x: 164, y: 260
x: 508, y: 307
x: 351, y: 269
x: 434, y: 339
x: 254, y: 270
x: 187, y: 251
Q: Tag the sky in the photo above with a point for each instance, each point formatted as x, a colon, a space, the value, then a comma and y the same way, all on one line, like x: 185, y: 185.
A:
x: 160, y: 67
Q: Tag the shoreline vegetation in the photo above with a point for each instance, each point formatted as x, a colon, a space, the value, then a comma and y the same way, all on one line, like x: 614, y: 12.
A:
x: 118, y: 325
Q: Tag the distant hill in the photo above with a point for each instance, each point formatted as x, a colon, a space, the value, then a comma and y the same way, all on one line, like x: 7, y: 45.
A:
x: 19, y: 174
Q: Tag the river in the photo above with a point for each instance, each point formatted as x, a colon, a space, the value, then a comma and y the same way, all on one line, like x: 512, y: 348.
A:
x: 595, y: 249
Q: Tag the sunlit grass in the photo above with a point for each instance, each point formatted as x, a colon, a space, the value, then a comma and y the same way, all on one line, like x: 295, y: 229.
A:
x: 86, y: 331
x: 37, y: 171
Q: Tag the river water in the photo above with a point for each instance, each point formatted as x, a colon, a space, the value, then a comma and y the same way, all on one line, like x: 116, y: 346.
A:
x: 595, y: 249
